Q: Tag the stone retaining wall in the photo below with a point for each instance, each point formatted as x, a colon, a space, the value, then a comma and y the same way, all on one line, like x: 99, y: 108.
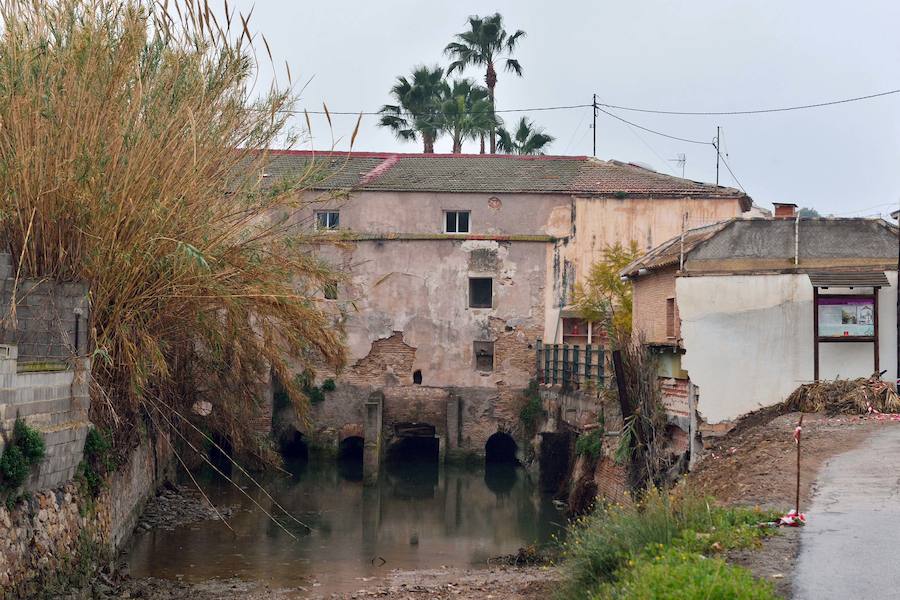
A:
x: 51, y: 533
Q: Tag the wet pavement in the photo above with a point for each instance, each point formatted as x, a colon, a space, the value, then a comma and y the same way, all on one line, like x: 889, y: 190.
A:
x: 849, y: 547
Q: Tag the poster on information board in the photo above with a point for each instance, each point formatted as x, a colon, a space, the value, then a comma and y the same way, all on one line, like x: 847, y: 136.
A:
x: 846, y: 316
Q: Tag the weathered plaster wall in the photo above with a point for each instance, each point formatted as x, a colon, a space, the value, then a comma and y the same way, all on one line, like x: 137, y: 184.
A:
x: 749, y: 340
x: 423, y: 212
x: 602, y: 221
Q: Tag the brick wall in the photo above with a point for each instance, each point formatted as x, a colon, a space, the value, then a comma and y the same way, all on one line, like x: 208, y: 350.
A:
x: 649, y: 313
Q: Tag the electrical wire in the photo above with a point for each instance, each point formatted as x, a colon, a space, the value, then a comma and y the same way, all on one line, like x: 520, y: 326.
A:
x: 727, y: 166
x: 470, y: 112
x: 757, y: 111
x: 653, y: 131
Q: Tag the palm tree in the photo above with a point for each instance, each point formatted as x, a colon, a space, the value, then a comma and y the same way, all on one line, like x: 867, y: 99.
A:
x: 417, y: 111
x: 528, y: 139
x: 485, y: 42
x: 466, y: 112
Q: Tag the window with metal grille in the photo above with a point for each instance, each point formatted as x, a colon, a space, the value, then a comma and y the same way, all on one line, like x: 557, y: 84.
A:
x: 484, y: 355
x: 328, y: 219
x: 481, y: 292
x: 456, y: 221
x: 670, y: 317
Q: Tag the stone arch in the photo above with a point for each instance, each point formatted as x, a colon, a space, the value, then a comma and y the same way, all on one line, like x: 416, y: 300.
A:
x: 351, y: 448
x: 501, y: 448
x: 294, y: 446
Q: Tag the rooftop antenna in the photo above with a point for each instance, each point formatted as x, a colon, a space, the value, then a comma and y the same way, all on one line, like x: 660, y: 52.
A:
x: 680, y: 160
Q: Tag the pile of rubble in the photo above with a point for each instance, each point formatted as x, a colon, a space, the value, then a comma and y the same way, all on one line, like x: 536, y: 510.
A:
x: 178, y: 505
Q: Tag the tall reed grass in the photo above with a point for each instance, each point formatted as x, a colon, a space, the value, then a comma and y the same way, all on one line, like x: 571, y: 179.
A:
x: 132, y: 147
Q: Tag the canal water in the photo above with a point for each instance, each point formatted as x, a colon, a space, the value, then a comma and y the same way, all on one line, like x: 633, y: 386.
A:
x: 418, y: 516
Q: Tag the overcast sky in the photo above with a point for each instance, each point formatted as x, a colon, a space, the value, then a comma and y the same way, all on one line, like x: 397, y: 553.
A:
x: 696, y: 55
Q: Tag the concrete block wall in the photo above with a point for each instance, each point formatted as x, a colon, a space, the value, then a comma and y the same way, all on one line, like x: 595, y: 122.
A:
x: 49, y: 316
x: 56, y: 404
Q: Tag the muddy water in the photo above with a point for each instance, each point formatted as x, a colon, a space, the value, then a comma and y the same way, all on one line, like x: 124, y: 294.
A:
x: 419, y: 516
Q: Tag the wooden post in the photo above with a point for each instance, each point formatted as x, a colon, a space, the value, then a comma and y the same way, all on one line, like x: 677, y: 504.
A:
x: 797, y: 434
x: 565, y: 365
x: 815, y: 333
x: 875, y: 323
x: 575, y: 370
x: 555, y: 364
x: 587, y: 362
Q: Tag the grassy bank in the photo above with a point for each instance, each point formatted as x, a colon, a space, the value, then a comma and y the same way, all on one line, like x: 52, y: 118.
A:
x: 665, y: 546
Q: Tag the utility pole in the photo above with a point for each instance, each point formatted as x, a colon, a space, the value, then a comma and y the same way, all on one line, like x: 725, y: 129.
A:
x: 716, y: 146
x: 594, y: 104
x: 896, y: 215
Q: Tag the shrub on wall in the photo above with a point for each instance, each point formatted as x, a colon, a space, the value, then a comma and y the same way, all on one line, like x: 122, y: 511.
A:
x: 533, y: 409
x: 24, y: 452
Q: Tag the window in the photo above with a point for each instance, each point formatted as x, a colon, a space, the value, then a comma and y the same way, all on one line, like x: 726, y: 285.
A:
x: 330, y: 290
x: 456, y: 221
x: 575, y: 331
x: 484, y: 355
x: 670, y: 317
x: 327, y: 219
x: 481, y: 292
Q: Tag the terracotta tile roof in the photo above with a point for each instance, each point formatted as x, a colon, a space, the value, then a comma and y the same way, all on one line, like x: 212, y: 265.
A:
x: 485, y: 173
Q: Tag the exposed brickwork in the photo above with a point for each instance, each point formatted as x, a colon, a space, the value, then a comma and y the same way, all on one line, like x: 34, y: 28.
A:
x: 675, y: 395
x: 611, y: 480
x: 389, y: 362
x: 649, y: 312
x: 415, y: 404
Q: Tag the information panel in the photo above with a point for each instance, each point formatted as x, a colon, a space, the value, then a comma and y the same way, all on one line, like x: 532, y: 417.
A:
x: 845, y: 316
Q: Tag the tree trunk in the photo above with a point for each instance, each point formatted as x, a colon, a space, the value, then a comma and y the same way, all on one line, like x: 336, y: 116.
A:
x: 481, y: 137
x: 491, y: 80
x: 457, y: 143
x: 428, y: 142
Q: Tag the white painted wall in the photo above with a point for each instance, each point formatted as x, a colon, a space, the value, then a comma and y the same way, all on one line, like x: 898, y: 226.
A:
x: 749, y: 340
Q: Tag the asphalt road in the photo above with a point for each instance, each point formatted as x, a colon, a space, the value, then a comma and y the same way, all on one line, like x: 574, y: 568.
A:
x: 850, y: 547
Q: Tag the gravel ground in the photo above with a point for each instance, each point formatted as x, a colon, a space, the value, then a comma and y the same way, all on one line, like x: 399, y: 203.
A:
x: 178, y: 505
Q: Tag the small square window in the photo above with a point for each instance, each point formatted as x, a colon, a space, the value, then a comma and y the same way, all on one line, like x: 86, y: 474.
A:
x: 327, y: 219
x: 481, y: 292
x: 484, y: 355
x: 456, y: 221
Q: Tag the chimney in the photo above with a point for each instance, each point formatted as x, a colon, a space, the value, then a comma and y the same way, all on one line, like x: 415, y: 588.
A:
x: 785, y: 210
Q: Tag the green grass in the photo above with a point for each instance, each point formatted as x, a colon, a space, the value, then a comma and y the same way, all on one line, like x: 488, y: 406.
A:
x: 681, y: 575
x: 604, y: 548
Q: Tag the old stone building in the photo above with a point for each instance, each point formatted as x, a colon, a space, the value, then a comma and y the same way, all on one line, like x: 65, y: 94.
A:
x: 456, y: 265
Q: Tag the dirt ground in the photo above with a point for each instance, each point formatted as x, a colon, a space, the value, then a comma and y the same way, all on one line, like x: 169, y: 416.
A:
x: 500, y: 583
x: 756, y: 465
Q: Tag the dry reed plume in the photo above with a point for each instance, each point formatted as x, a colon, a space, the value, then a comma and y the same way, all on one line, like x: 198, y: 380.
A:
x: 131, y: 143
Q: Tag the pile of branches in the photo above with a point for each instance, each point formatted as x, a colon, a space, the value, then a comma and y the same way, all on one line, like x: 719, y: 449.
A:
x: 844, y: 397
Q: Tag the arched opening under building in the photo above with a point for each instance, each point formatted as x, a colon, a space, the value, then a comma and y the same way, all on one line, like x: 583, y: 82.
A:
x: 501, y: 448
x: 350, y: 458
x: 294, y: 447
x: 555, y: 460
x: 220, y: 453
x: 414, y: 450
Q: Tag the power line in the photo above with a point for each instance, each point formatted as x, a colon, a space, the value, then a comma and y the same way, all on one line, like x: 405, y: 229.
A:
x: 653, y: 131
x: 752, y: 111
x: 435, y: 113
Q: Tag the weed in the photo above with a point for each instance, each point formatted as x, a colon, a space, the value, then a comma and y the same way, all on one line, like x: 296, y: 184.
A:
x: 590, y: 444
x: 600, y: 546
x: 679, y: 575
x: 328, y: 385
x: 24, y: 452
x: 533, y: 409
